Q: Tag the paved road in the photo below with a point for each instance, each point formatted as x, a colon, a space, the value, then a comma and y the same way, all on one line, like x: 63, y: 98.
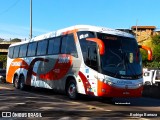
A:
x: 51, y: 105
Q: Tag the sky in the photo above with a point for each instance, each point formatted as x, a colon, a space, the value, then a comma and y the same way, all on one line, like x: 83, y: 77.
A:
x: 51, y: 15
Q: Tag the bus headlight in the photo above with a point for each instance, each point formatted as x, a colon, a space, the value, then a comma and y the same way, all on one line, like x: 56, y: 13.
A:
x: 105, y: 81
x: 108, y: 82
x: 140, y: 84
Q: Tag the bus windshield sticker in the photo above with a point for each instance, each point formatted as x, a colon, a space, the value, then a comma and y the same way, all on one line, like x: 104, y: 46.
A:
x: 83, y: 36
x: 131, y: 57
x: 122, y: 72
x: 87, y: 70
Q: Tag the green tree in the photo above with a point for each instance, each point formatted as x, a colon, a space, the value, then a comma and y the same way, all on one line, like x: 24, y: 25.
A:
x: 144, y: 57
x: 1, y: 39
x: 3, y: 59
x: 155, y: 46
x: 156, y: 54
x: 156, y: 50
x: 16, y: 40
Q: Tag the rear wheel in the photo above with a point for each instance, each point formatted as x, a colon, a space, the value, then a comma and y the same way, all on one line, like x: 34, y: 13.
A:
x: 22, y: 82
x: 16, y: 82
x: 72, y: 89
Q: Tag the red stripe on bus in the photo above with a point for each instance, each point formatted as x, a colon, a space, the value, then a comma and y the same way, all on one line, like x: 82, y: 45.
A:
x: 30, y: 69
x: 105, y: 90
x: 60, y: 68
x: 86, y: 83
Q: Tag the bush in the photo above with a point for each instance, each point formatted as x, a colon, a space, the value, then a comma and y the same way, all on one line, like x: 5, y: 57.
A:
x: 3, y: 59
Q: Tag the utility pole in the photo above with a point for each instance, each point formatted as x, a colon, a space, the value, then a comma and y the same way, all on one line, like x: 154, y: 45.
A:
x: 30, y: 19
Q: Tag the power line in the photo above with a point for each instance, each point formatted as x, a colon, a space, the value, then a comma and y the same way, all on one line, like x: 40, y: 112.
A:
x: 6, y: 10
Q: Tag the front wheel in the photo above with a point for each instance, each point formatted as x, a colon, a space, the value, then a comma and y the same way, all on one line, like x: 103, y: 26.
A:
x: 72, y: 90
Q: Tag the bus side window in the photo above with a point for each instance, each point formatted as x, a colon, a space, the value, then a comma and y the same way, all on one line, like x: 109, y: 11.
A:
x: 32, y: 49
x: 16, y: 52
x: 11, y: 49
x: 23, y: 50
x: 54, y: 45
x: 89, y: 53
x: 92, y: 57
x: 42, y: 47
x: 69, y: 46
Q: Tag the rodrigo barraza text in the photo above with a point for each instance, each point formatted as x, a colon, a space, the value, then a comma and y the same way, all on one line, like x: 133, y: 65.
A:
x: 143, y: 114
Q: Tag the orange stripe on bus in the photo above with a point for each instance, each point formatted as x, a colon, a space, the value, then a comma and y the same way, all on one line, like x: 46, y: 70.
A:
x: 74, y: 32
x: 15, y: 64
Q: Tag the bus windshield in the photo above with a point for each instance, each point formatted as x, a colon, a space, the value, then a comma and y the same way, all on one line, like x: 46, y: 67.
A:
x: 121, y: 58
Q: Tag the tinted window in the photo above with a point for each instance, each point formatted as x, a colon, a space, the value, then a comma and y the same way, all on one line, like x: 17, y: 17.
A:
x: 92, y: 57
x: 146, y: 74
x: 54, y: 45
x: 89, y: 51
x: 68, y: 45
x: 82, y: 35
x: 11, y: 52
x: 121, y: 58
x: 42, y: 47
x: 85, y: 34
x: 23, y: 50
x: 32, y: 49
x: 16, y: 52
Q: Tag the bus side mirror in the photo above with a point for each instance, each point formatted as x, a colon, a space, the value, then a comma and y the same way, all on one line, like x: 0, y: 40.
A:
x: 149, y: 51
x: 100, y: 44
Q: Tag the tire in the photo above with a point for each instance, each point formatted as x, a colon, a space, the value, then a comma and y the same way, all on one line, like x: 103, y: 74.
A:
x: 16, y: 82
x: 72, y: 90
x: 2, y: 80
x: 22, y: 85
x: 147, y: 83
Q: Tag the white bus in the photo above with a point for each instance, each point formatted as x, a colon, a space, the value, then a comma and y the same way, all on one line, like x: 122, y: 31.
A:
x: 81, y: 59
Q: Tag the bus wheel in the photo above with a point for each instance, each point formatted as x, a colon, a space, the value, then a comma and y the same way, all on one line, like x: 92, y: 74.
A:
x: 16, y: 82
x: 21, y: 82
x: 72, y: 89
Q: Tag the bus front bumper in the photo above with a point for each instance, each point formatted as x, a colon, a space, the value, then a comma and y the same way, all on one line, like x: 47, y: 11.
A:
x: 105, y: 90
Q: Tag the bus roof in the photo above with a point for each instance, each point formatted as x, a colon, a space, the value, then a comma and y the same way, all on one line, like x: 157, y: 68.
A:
x: 78, y: 28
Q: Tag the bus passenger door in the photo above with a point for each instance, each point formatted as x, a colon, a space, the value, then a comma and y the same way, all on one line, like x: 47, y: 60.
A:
x: 92, y: 63
x: 92, y: 60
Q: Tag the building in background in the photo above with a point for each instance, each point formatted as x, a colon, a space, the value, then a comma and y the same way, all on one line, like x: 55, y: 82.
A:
x: 126, y: 30
x: 143, y: 32
x: 4, y: 47
x: 3, y: 53
x: 157, y: 32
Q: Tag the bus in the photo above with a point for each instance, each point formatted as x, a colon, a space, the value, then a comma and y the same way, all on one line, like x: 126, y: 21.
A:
x: 81, y: 59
